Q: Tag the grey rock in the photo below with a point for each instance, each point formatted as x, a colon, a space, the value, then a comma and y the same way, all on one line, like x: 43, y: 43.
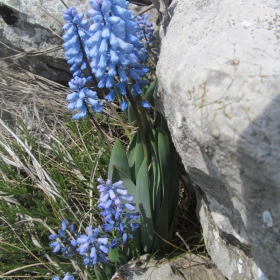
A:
x: 162, y: 6
x: 187, y: 267
x: 219, y: 90
x: 34, y: 39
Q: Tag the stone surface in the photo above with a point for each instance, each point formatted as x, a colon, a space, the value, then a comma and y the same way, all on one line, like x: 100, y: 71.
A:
x: 220, y: 91
x: 35, y: 36
x: 164, y: 15
x: 188, y: 267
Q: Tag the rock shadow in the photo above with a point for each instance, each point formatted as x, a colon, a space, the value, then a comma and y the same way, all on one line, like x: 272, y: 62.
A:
x: 258, y: 151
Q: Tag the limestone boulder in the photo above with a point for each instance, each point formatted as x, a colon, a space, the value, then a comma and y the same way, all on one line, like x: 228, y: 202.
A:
x: 219, y: 88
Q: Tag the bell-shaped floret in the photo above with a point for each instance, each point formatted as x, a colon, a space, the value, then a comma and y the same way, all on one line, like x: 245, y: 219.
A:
x: 106, y: 6
x: 122, y: 75
x: 114, y: 56
x: 95, y: 27
x: 145, y: 105
x: 119, y: 29
x: 103, y: 47
x: 113, y: 20
x: 112, y: 69
x: 93, y: 13
x: 114, y: 41
x: 125, y: 47
x: 111, y: 96
x: 106, y: 32
x: 124, y: 105
x: 122, y: 59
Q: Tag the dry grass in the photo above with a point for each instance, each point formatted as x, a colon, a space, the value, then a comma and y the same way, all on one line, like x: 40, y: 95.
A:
x: 38, y: 101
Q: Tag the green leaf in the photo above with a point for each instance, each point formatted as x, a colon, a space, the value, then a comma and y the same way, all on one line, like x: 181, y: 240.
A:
x: 146, y: 221
x: 155, y: 176
x: 131, y: 155
x: 119, y: 159
x: 109, y: 269
x: 160, y: 122
x: 162, y: 225
x: 130, y: 114
x: 117, y: 257
x: 149, y: 93
x: 164, y: 159
x: 135, y: 155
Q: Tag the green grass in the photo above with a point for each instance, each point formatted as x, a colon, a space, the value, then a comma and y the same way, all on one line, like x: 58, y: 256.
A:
x: 41, y: 184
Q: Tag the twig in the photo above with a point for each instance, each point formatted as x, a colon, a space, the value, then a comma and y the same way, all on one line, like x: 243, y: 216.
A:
x: 64, y: 4
x: 146, y: 10
x: 168, y: 242
x: 188, y: 248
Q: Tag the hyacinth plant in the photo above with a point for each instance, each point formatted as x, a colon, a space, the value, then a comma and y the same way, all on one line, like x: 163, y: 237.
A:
x: 107, y: 51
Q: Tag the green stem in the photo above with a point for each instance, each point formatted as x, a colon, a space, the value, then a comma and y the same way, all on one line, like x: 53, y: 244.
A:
x: 139, y: 122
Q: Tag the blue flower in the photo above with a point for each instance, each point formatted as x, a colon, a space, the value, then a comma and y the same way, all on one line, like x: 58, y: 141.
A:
x: 76, y: 33
x: 57, y: 246
x: 62, y: 243
x: 145, y: 104
x: 90, y: 242
x: 114, y: 198
x: 82, y: 96
x: 68, y: 276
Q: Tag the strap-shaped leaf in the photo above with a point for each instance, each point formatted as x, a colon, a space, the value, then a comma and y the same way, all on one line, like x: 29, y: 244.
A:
x: 149, y: 93
x: 135, y: 155
x: 155, y: 176
x: 162, y: 225
x: 130, y: 114
x: 146, y: 221
x: 119, y: 159
x: 164, y: 159
x: 160, y: 122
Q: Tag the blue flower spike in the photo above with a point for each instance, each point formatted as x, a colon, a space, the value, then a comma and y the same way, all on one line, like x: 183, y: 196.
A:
x: 108, y: 44
x: 114, y: 199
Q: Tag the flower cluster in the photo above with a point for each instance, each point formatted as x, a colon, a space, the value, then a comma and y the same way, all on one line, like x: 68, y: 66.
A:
x: 76, y: 34
x: 80, y: 96
x: 108, y: 46
x: 89, y: 245
x: 145, y: 32
x: 115, y: 218
x: 92, y: 246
